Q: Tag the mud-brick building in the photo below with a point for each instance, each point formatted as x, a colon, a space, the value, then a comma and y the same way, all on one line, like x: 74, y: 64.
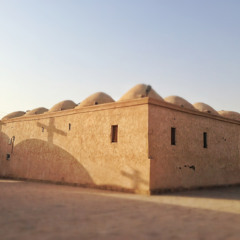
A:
x: 140, y: 143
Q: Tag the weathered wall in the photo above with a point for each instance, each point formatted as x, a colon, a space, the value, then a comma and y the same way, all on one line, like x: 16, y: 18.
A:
x: 45, y: 148
x: 187, y: 164
x: 143, y: 158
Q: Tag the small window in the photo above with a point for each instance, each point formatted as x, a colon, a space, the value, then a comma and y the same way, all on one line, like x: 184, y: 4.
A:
x: 114, y: 137
x: 173, y: 136
x: 205, y: 140
x: 69, y: 126
x: 8, y: 156
x: 42, y: 129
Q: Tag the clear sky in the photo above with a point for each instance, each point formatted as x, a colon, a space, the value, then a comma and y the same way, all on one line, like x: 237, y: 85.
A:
x: 53, y: 50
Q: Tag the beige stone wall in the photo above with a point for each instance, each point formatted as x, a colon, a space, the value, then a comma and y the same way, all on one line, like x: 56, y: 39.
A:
x: 188, y: 164
x: 45, y: 148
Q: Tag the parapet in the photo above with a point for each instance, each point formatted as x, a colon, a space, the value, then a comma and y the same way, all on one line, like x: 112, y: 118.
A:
x: 95, y: 99
x: 64, y: 105
x: 203, y: 107
x: 141, y: 91
x: 179, y: 101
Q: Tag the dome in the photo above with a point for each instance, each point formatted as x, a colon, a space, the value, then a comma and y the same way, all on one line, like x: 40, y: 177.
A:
x: 179, y: 101
x: 95, y: 99
x: 13, y: 115
x: 230, y: 114
x: 202, y: 107
x: 64, y: 105
x: 35, y: 111
x: 141, y: 91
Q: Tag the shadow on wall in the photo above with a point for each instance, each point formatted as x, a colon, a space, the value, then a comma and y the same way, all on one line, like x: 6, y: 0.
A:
x: 135, y: 178
x: 51, y: 130
x: 42, y: 160
x: 37, y: 159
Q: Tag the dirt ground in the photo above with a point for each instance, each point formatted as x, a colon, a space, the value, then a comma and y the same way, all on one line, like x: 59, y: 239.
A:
x: 30, y: 210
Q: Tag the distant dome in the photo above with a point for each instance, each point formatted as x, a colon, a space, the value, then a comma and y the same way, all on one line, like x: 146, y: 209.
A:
x: 202, y: 107
x: 35, y: 111
x: 141, y: 91
x: 230, y: 114
x: 179, y: 101
x: 13, y: 115
x: 95, y: 99
x: 64, y: 105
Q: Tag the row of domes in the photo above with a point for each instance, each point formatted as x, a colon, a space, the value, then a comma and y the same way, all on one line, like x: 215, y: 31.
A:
x: 139, y: 91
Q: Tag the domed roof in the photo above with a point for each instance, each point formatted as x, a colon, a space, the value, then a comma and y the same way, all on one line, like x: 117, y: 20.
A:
x: 95, y: 99
x: 179, y: 101
x: 230, y: 114
x: 13, y: 115
x: 203, y: 107
x: 35, y: 111
x: 141, y: 91
x: 64, y: 105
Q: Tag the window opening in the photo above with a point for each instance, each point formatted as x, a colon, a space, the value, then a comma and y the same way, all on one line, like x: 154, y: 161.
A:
x: 173, y: 136
x: 114, y: 137
x: 205, y: 140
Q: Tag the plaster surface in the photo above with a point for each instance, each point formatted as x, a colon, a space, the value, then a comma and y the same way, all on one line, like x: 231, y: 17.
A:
x: 179, y: 101
x: 188, y: 164
x: 74, y: 146
x: 141, y: 91
x: 63, y: 105
x: 95, y: 99
x: 203, y: 107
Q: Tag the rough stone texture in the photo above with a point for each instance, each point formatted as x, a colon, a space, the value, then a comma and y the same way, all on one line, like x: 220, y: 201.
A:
x: 230, y: 114
x: 95, y: 99
x: 64, y: 105
x: 187, y: 164
x: 43, y: 211
x: 13, y: 115
x: 140, y: 91
x: 75, y: 147
x: 203, y: 107
x: 35, y: 111
x: 179, y: 101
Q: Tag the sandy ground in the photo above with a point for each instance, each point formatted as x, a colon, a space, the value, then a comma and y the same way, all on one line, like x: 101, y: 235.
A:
x: 30, y: 210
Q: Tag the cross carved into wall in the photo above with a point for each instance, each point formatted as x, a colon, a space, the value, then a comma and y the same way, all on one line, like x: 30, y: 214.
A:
x: 51, y: 129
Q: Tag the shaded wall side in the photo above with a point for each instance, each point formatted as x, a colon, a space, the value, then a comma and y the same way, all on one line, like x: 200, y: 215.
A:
x: 78, y: 149
x: 188, y: 164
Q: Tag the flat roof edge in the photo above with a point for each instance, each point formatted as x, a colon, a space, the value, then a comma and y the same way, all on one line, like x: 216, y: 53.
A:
x: 94, y: 108
x: 158, y: 103
x: 119, y: 104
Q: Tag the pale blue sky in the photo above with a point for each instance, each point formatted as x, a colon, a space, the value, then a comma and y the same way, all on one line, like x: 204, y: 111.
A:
x: 52, y: 50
